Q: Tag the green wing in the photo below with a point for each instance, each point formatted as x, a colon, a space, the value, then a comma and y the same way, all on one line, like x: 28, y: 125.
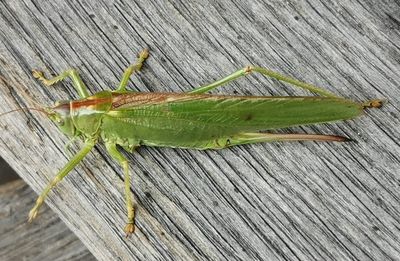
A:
x: 181, y: 120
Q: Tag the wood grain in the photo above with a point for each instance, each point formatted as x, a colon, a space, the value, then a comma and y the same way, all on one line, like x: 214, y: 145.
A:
x: 280, y: 201
x: 48, y: 240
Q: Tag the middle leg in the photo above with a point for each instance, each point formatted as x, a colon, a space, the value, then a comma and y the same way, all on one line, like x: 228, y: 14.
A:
x: 130, y: 225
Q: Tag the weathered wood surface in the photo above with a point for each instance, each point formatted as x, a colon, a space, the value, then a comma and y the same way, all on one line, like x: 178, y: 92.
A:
x: 51, y: 240
x: 281, y: 201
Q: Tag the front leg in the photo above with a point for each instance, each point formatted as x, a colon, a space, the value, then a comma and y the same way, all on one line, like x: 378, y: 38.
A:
x: 112, y: 149
x: 61, y: 174
x: 76, y: 80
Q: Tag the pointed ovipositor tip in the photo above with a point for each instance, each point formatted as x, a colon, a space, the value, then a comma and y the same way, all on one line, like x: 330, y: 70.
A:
x: 346, y: 139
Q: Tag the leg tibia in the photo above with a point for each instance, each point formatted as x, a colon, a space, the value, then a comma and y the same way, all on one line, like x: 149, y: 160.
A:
x: 61, y: 174
x: 133, y: 68
x: 48, y: 82
x: 247, y: 138
x: 229, y: 78
x: 266, y: 72
x: 76, y: 80
x: 293, y: 81
x: 112, y: 149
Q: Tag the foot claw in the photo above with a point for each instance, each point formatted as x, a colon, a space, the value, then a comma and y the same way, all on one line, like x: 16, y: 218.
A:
x: 37, y: 74
x: 32, y: 214
x: 144, y: 53
x: 377, y: 103
x: 129, y: 229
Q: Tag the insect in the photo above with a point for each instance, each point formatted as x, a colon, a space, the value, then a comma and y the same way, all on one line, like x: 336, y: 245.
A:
x: 186, y: 120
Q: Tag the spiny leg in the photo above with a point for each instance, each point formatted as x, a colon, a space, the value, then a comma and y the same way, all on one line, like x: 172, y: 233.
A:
x: 266, y: 72
x: 248, y: 137
x: 133, y: 68
x: 76, y: 80
x: 60, y: 175
x: 112, y: 149
x: 220, y: 82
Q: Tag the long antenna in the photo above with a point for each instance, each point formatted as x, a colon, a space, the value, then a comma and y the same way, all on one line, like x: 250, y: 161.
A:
x: 24, y: 109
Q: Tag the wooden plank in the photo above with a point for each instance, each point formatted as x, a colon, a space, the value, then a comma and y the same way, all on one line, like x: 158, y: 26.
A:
x: 50, y: 239
x: 281, y: 201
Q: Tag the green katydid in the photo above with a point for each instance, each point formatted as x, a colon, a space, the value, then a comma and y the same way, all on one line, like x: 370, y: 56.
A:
x: 186, y: 120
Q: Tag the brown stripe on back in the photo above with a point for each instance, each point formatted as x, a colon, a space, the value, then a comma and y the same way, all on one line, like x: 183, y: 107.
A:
x: 88, y: 102
x: 153, y: 98
x: 150, y: 98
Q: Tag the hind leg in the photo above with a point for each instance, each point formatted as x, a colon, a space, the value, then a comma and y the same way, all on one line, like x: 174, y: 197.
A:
x: 266, y: 72
x: 256, y: 137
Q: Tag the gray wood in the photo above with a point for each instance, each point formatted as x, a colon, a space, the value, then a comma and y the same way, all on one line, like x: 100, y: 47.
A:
x: 48, y: 240
x: 280, y: 201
